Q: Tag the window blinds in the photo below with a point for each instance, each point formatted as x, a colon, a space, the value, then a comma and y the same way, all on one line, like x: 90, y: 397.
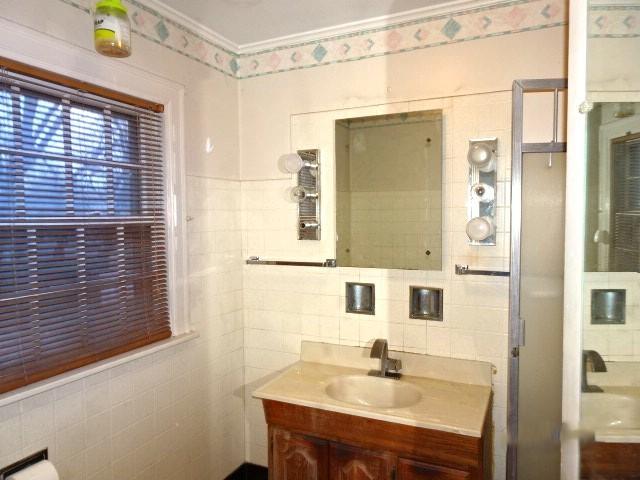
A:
x: 625, y: 204
x: 82, y: 229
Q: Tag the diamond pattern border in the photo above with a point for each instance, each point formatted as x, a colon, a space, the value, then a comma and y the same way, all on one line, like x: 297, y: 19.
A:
x: 509, y: 17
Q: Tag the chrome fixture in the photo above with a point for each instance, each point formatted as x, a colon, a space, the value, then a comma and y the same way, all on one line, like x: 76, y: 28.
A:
x: 425, y: 303
x: 298, y: 194
x: 608, y: 306
x: 361, y: 298
x: 306, y: 225
x: 516, y: 322
x: 482, y: 158
x: 329, y: 263
x: 306, y: 165
x: 465, y: 270
x: 389, y: 367
x: 594, y: 360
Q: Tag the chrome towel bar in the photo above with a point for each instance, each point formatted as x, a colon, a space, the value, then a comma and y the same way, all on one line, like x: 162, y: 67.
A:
x: 328, y: 263
x: 465, y: 270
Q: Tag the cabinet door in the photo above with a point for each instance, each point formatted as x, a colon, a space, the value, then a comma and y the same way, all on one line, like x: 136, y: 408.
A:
x: 413, y: 470
x: 351, y: 463
x: 298, y: 457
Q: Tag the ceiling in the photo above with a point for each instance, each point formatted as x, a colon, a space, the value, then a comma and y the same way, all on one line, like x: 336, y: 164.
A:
x: 250, y: 21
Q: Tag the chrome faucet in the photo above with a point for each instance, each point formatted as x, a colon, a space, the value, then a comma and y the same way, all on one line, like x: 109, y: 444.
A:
x: 389, y: 367
x: 593, y: 358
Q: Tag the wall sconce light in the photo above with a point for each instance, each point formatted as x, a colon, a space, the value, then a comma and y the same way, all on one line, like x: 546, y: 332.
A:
x: 482, y: 192
x: 482, y: 158
x: 293, y: 163
x: 480, y: 229
x: 305, y: 164
x: 482, y: 155
x: 300, y: 193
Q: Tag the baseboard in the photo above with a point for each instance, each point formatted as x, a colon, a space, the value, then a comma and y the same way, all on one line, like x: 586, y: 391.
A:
x: 249, y: 471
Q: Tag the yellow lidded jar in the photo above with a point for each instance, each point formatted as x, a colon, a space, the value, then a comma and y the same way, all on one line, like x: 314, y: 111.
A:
x: 112, y: 30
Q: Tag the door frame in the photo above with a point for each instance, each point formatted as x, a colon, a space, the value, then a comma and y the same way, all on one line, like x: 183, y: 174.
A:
x: 516, y: 324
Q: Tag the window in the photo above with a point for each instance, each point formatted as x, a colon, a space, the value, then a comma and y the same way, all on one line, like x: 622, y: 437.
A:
x: 83, y: 267
x: 625, y: 204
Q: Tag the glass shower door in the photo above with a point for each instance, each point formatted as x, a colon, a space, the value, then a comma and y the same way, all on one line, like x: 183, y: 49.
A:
x: 541, y: 307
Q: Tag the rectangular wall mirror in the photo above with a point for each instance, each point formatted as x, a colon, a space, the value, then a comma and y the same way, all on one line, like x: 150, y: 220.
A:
x: 389, y: 191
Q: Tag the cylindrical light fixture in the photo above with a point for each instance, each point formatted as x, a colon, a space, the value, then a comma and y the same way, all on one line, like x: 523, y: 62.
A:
x: 297, y: 194
x: 482, y: 192
x: 293, y: 163
x: 309, y: 225
x: 480, y: 228
x: 482, y: 156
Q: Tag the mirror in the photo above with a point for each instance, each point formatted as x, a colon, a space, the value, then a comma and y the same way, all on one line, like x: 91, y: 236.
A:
x: 389, y: 191
x: 610, y: 400
x: 613, y: 196
x: 611, y: 322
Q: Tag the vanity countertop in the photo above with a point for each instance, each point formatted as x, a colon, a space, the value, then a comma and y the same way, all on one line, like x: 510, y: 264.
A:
x: 613, y: 415
x: 446, y: 404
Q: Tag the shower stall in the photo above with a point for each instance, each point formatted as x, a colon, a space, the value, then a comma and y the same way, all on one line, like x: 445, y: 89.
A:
x: 538, y: 177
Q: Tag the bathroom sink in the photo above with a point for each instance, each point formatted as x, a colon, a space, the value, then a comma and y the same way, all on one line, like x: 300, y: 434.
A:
x: 610, y: 411
x: 373, y: 391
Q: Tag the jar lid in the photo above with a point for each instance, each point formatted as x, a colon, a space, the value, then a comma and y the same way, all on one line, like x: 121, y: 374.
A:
x: 115, y: 4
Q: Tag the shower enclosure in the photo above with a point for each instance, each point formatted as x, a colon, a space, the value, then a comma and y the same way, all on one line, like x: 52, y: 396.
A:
x: 538, y: 176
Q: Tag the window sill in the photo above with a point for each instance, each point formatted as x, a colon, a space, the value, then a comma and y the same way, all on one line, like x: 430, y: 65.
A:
x: 80, y: 373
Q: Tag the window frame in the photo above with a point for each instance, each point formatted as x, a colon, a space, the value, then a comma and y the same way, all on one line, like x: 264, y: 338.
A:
x: 89, y: 69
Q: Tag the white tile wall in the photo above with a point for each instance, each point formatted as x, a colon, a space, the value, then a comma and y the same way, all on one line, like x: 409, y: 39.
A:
x: 176, y: 414
x: 284, y: 305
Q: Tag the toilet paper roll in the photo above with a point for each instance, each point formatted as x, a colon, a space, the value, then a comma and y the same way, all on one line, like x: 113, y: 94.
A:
x: 43, y: 470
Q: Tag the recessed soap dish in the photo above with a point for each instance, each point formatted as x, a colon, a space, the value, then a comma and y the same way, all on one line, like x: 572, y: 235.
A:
x: 425, y: 303
x: 361, y: 298
x: 608, y: 306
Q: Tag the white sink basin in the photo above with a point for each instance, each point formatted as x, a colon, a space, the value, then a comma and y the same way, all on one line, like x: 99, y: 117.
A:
x: 610, y: 411
x: 373, y: 391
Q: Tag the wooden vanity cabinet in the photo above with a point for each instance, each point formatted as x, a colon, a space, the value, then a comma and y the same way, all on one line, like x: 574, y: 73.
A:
x: 413, y: 470
x: 312, y: 444
x: 297, y: 457
x: 619, y: 461
x: 353, y: 463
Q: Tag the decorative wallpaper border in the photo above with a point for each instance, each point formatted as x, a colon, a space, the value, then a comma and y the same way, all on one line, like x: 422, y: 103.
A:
x: 506, y: 18
x: 614, y: 21
x: 151, y: 25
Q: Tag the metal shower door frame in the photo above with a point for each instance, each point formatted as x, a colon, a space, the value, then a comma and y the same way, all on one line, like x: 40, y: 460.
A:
x: 516, y: 323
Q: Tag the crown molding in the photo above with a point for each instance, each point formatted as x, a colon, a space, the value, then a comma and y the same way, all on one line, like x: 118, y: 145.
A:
x: 451, y: 8
x: 375, y: 23
x: 189, y: 23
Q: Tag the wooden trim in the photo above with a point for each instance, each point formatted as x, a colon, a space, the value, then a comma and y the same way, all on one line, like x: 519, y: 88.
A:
x: 72, y: 364
x: 46, y: 75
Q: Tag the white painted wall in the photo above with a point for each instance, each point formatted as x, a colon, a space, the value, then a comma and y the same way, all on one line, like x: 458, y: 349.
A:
x: 179, y: 413
x: 471, y: 83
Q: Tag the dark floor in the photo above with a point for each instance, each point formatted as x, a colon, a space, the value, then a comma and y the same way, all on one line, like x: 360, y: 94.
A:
x: 249, y: 471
